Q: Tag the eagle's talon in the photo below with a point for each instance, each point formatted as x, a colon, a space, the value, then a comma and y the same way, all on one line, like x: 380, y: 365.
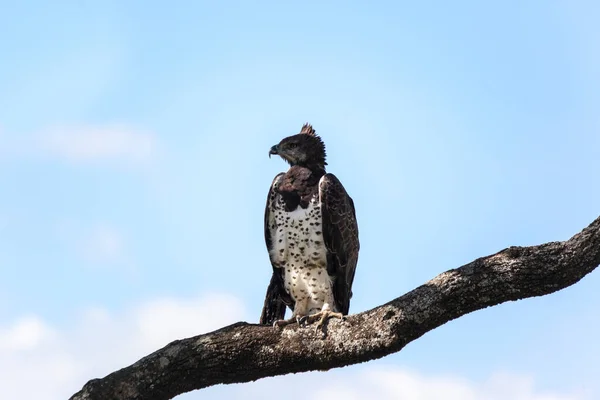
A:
x: 280, y: 323
x: 320, y: 318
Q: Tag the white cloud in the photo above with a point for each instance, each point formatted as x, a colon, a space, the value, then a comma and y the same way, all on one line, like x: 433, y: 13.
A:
x: 25, y: 334
x: 97, y: 143
x: 395, y: 383
x: 156, y: 319
x: 61, y: 361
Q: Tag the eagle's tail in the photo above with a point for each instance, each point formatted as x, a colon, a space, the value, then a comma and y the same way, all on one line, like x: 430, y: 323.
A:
x: 274, y: 307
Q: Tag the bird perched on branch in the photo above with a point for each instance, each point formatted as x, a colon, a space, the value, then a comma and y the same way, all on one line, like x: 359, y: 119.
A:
x: 311, y: 235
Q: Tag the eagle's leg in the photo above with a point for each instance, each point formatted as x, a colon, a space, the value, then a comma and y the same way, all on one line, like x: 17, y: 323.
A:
x: 321, y: 316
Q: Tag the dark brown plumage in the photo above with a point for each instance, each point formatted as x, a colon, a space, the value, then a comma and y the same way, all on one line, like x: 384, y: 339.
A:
x: 311, y: 234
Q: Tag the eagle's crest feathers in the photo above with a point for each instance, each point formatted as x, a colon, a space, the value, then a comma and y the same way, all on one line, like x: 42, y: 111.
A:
x: 307, y: 129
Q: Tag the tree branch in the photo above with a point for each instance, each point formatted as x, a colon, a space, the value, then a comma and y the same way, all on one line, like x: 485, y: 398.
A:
x: 245, y: 352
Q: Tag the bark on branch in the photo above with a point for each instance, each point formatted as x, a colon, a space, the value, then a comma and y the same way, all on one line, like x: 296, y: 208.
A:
x: 245, y: 352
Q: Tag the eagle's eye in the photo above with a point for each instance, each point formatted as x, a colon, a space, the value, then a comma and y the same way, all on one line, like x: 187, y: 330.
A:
x: 293, y: 145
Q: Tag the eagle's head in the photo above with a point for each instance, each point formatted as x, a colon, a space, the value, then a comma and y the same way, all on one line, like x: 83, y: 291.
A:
x: 305, y: 149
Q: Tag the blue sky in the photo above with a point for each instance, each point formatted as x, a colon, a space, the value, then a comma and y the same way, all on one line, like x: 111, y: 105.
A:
x: 133, y: 157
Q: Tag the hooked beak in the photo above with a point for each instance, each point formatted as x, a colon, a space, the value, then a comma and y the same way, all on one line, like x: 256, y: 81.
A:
x: 273, y: 151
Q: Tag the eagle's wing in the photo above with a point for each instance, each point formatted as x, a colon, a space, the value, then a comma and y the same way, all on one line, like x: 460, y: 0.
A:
x: 340, y: 235
x: 276, y: 298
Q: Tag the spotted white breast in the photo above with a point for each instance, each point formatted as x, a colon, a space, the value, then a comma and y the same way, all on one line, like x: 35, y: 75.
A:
x: 298, y: 248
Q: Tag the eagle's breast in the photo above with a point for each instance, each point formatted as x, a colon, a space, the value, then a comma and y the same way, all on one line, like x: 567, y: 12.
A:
x: 298, y: 248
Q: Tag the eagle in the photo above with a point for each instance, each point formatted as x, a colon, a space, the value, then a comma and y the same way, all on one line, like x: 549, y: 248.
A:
x: 311, y: 235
